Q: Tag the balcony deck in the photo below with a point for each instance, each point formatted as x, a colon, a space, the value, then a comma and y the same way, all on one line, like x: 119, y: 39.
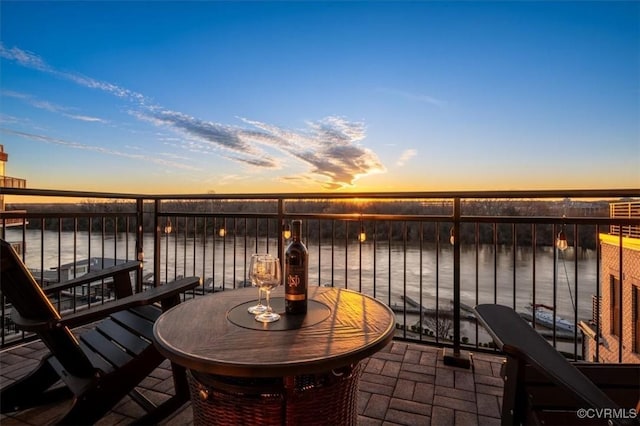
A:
x: 404, y: 384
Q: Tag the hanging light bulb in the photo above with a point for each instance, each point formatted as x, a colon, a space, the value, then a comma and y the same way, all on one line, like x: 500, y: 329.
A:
x: 167, y: 227
x: 561, y: 241
x: 362, y: 236
x: 286, y: 231
x: 222, y: 232
x: 452, y: 237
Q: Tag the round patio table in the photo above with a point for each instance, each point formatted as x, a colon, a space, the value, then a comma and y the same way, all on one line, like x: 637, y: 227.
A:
x: 302, y: 369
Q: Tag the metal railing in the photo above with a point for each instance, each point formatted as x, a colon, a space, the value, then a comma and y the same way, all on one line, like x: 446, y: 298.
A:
x: 12, y: 182
x: 430, y: 256
x: 630, y: 209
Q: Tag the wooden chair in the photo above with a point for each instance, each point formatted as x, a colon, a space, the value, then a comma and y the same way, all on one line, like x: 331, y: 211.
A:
x: 543, y: 387
x: 102, y: 365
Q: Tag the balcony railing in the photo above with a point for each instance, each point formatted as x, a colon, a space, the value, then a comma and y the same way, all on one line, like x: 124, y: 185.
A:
x: 430, y: 256
x: 12, y: 182
x: 629, y: 209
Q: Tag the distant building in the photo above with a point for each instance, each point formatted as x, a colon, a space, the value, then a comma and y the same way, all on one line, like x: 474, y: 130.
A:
x: 616, y: 314
x: 8, y: 182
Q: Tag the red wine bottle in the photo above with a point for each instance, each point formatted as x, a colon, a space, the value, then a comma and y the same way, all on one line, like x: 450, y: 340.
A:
x: 296, y: 264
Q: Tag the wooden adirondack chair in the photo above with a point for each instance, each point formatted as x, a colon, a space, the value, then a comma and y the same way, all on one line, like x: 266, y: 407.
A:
x: 103, y: 364
x: 543, y: 387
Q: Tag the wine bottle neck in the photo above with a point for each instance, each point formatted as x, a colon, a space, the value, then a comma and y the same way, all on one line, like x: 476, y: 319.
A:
x: 296, y: 230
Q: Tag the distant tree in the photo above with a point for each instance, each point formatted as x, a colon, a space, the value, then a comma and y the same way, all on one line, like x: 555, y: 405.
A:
x: 441, y: 326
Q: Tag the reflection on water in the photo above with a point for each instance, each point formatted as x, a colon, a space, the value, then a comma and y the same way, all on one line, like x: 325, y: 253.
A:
x: 504, y: 276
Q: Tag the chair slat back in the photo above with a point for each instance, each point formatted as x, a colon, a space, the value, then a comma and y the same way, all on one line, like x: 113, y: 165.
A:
x: 516, y: 338
x: 27, y: 298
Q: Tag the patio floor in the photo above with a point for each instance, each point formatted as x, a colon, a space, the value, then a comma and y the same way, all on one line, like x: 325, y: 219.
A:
x: 404, y: 384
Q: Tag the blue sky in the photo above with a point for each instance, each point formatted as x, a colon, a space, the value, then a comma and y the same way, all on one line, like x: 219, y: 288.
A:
x: 193, y: 97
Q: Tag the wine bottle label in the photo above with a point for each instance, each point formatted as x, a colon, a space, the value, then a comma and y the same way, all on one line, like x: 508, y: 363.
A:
x: 295, y: 285
x: 293, y: 280
x: 294, y: 297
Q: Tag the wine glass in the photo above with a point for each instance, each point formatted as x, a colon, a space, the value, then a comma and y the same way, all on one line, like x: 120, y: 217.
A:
x: 253, y: 271
x: 268, y: 275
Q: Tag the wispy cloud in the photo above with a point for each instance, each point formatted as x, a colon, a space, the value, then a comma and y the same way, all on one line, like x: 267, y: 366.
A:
x: 99, y: 149
x: 333, y: 150
x: 411, y: 96
x: 31, y: 60
x: 330, y: 148
x: 48, y: 106
x: 406, y: 155
x: 25, y: 58
x: 209, y: 133
x: 86, y: 118
x: 9, y: 119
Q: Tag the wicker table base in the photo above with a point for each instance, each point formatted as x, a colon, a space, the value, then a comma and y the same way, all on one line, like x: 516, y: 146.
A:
x: 320, y: 399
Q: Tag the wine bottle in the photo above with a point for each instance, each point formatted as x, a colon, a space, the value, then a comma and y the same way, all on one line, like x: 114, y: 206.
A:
x: 296, y: 263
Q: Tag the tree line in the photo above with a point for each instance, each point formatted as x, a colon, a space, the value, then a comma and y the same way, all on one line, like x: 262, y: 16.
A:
x: 207, y: 217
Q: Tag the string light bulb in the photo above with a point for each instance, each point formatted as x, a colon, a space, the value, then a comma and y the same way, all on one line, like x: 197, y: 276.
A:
x: 362, y: 236
x: 561, y: 241
x: 167, y: 227
x: 222, y: 232
x: 286, y: 231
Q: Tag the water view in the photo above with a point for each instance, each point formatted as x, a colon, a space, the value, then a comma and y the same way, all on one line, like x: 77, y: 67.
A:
x: 390, y: 272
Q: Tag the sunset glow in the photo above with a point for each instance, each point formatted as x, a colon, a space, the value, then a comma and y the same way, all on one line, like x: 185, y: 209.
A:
x: 246, y: 97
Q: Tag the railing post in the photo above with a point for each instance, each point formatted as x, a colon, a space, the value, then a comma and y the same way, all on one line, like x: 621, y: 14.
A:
x: 156, y: 244
x: 620, y: 294
x: 139, y: 242
x: 281, y: 235
x: 456, y: 358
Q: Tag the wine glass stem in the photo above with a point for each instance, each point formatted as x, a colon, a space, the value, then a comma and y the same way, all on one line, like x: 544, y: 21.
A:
x: 259, y: 296
x: 268, y: 301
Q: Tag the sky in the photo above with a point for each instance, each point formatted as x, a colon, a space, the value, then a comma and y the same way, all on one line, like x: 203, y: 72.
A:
x: 260, y: 97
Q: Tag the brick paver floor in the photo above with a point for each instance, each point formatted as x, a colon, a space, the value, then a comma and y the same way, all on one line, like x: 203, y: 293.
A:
x: 404, y: 384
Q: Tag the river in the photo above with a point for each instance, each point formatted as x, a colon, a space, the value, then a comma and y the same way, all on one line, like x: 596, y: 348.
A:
x: 388, y: 272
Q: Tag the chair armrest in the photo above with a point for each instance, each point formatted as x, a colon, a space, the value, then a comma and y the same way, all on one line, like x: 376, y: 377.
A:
x: 97, y: 312
x: 27, y: 324
x: 513, y: 336
x: 146, y: 297
x: 94, y: 276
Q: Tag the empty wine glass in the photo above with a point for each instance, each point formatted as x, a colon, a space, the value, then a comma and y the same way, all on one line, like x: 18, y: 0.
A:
x: 268, y: 275
x: 253, y: 270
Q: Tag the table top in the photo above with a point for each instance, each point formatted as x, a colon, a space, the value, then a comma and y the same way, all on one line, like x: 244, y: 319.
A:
x: 208, y: 334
